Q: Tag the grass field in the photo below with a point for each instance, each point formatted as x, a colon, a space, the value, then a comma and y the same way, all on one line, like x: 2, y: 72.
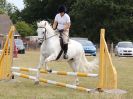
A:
x: 25, y: 89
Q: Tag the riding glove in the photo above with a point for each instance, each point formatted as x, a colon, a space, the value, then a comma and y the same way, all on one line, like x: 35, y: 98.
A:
x: 61, y: 30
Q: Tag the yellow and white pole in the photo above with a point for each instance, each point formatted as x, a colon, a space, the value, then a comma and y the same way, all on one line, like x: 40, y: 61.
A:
x: 53, y: 82
x: 57, y: 72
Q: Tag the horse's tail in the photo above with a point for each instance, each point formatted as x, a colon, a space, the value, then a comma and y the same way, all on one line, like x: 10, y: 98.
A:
x: 85, y: 66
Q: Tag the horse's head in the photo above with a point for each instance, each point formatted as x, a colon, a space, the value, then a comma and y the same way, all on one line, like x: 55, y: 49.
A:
x: 44, y: 30
x: 41, y: 29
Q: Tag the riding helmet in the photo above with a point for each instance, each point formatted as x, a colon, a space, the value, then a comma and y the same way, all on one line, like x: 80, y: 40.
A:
x: 62, y: 8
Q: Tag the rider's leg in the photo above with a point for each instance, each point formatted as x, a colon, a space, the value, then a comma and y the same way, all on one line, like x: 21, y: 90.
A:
x: 65, y: 37
x: 65, y: 51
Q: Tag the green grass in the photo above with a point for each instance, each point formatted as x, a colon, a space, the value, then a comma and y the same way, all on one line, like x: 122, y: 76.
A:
x: 25, y: 89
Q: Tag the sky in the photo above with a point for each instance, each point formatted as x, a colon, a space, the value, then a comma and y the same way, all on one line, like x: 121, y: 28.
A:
x: 18, y: 3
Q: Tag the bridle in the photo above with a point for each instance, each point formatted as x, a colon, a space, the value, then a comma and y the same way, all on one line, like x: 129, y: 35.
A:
x: 44, y: 37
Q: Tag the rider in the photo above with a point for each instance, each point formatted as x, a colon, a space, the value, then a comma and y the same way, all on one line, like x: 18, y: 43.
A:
x: 62, y: 22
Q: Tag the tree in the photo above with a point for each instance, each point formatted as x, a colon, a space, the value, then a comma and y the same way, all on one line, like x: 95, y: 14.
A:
x: 24, y: 29
x: 115, y: 16
x: 87, y: 16
x: 7, y: 8
x: 2, y: 6
x: 42, y: 9
x: 10, y: 8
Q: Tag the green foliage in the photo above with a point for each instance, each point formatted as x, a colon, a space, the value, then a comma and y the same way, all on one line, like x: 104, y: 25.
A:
x: 7, y: 8
x: 16, y: 16
x: 2, y: 11
x: 24, y: 29
x: 10, y: 8
x: 90, y: 15
x: 2, y: 6
x: 2, y: 3
x: 87, y: 16
x: 42, y: 9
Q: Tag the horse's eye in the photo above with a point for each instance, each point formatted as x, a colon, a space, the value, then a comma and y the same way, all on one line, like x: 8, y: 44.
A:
x: 43, y: 32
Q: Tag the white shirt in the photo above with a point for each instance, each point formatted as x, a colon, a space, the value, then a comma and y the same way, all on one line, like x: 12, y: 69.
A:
x: 62, y: 20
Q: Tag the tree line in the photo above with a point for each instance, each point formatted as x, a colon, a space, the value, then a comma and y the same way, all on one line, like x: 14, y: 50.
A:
x: 87, y: 17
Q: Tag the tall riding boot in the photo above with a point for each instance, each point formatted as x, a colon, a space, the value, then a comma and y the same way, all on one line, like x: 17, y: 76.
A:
x: 65, y: 51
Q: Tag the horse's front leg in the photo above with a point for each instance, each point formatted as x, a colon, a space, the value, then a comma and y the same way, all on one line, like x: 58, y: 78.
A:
x: 50, y: 58
x: 42, y: 58
x: 47, y: 68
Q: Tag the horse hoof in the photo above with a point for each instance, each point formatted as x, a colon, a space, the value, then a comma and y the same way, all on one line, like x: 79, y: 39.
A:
x: 65, y: 56
x: 36, y: 83
x: 50, y: 70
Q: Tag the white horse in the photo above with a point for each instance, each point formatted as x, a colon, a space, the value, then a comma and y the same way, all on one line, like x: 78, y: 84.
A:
x: 50, y: 49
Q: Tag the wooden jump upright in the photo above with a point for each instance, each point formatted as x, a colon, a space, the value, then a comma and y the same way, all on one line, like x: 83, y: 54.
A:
x: 107, y: 71
x: 6, y: 57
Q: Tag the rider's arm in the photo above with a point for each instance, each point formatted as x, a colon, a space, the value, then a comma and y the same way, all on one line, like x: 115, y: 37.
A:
x: 55, y: 24
x: 68, y: 23
x: 67, y: 26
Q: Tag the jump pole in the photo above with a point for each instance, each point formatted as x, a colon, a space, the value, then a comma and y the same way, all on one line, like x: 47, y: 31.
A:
x: 56, y: 72
x: 53, y: 82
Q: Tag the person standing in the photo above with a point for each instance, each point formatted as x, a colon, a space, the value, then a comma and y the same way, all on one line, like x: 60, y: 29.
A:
x: 62, y: 23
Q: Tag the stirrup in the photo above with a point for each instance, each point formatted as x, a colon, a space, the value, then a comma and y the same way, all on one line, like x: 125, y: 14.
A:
x: 65, y: 56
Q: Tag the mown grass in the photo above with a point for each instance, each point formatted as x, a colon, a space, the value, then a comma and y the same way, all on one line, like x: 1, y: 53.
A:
x: 25, y: 89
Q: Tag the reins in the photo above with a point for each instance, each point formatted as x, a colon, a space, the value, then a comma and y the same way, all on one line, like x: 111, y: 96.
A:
x: 44, y: 37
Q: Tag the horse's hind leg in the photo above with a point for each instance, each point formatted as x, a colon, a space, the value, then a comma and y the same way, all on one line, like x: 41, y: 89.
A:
x: 73, y: 65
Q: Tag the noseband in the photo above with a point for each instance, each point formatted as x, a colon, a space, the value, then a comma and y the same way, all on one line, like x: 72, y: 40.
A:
x: 44, y: 37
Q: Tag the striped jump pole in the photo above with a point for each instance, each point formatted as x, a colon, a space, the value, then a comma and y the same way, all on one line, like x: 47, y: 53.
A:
x: 53, y: 82
x: 57, y: 72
